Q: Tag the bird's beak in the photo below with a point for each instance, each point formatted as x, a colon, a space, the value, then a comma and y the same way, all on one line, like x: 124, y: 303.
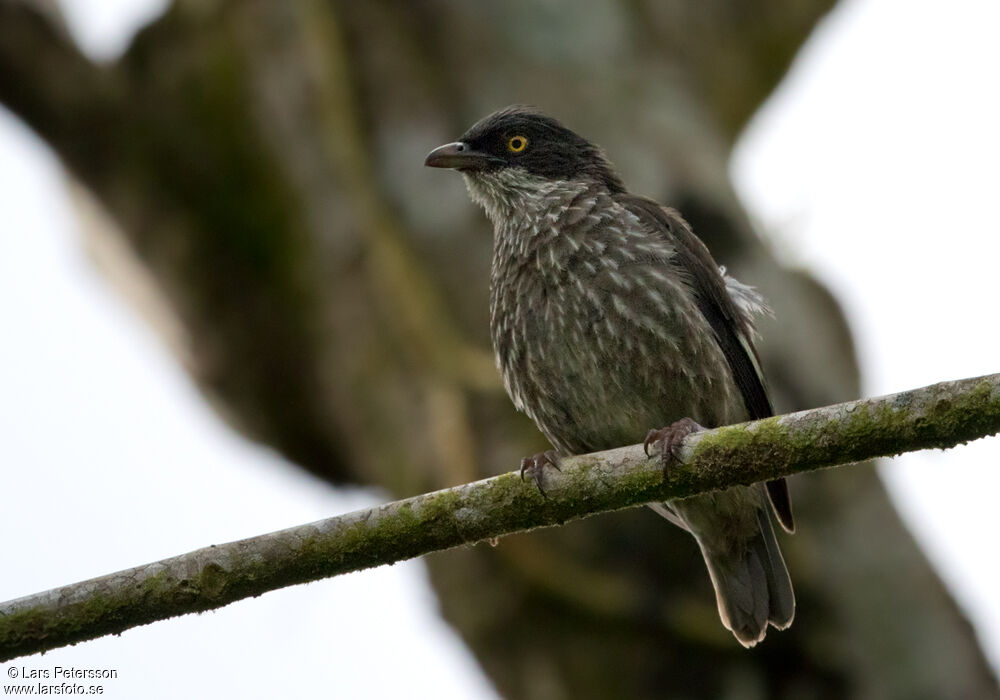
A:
x: 457, y: 155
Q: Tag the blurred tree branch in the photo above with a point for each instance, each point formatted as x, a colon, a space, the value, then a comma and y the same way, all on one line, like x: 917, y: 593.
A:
x: 72, y: 103
x: 938, y: 416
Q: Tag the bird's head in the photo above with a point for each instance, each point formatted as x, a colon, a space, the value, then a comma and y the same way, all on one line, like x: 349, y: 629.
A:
x: 519, y: 146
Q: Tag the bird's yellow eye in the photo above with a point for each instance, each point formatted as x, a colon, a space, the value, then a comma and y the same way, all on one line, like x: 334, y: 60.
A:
x: 517, y: 144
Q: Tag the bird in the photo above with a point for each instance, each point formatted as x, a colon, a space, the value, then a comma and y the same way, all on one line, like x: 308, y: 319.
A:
x: 612, y: 324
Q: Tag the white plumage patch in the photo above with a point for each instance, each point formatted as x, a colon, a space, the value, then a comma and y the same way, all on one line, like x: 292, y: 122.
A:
x: 749, y: 302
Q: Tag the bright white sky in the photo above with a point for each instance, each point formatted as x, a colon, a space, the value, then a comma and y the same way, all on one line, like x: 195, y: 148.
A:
x: 880, y: 149
x: 876, y: 167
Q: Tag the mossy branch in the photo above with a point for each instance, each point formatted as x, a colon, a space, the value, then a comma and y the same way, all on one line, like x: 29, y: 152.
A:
x: 941, y: 416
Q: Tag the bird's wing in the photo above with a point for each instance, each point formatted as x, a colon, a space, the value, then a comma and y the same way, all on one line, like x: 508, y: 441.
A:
x: 731, y: 327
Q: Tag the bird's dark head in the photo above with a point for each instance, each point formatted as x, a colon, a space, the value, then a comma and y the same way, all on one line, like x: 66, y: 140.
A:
x: 524, y: 140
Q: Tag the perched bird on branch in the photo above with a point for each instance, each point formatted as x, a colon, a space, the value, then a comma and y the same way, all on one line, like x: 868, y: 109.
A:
x: 610, y: 319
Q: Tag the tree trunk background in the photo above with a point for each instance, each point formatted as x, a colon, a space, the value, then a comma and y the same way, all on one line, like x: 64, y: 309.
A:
x: 263, y: 161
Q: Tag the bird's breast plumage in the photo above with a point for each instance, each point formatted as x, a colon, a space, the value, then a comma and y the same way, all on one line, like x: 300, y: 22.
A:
x: 595, y: 329
x: 608, y: 318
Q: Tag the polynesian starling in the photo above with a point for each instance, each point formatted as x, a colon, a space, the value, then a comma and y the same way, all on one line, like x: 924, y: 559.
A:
x: 609, y: 317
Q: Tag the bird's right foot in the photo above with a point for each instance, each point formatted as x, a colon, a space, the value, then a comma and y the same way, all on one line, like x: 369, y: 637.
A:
x: 535, y: 465
x: 667, y: 441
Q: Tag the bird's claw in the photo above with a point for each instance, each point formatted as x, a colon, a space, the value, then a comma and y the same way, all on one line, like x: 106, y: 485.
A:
x: 667, y: 441
x: 535, y: 466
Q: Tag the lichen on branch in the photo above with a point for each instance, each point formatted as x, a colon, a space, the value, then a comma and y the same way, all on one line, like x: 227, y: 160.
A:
x: 939, y: 416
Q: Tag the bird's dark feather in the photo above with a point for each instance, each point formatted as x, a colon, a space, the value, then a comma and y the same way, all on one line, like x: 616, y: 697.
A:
x: 727, y: 324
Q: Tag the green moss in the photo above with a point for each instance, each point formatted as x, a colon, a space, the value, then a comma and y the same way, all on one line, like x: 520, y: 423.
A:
x: 211, y: 582
x: 506, y: 504
x: 156, y: 584
x: 864, y: 431
x: 27, y: 624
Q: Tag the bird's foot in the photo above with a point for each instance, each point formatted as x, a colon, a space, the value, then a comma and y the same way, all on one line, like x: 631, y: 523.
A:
x: 667, y: 441
x: 535, y: 465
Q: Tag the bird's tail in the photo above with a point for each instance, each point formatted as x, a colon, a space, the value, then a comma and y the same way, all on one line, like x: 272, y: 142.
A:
x: 752, y: 587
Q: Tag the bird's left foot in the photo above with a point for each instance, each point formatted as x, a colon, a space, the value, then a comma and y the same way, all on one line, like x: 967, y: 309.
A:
x: 535, y: 465
x: 667, y: 441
